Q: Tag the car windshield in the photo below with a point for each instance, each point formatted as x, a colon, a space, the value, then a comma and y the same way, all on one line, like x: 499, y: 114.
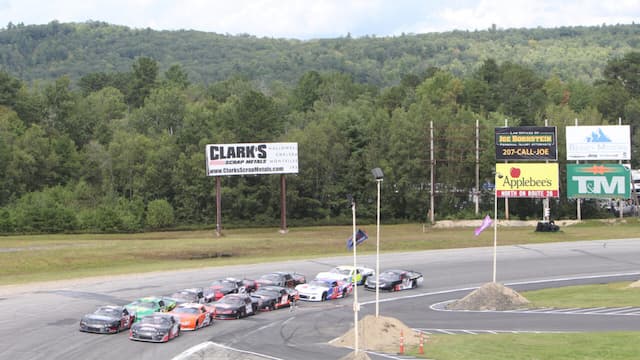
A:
x: 342, y: 271
x: 389, y: 275
x: 223, y: 284
x: 144, y: 304
x: 183, y: 295
x: 112, y: 312
x: 155, y: 320
x: 267, y: 292
x: 318, y: 283
x: 231, y: 300
x: 271, y: 277
x: 186, y: 310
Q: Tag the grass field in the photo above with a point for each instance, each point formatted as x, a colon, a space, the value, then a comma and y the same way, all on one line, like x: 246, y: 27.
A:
x: 28, y: 258
x: 550, y: 346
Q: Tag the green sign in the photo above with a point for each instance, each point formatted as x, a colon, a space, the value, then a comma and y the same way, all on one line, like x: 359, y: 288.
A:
x: 611, y: 181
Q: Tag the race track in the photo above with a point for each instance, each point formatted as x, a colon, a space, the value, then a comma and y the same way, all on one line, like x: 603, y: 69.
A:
x: 40, y: 321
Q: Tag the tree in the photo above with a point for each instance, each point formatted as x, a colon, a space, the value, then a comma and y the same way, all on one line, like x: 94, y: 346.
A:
x: 624, y: 71
x: 145, y: 75
x: 9, y: 88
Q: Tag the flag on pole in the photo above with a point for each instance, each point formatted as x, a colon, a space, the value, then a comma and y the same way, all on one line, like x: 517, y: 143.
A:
x: 486, y: 222
x: 360, y: 237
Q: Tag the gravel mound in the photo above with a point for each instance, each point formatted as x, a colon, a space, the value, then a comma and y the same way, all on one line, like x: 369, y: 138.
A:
x: 490, y: 296
x: 380, y: 334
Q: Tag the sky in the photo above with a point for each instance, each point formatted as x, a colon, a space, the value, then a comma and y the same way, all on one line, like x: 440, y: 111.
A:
x: 306, y: 19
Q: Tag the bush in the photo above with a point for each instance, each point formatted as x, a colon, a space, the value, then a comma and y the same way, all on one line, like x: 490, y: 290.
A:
x: 159, y: 214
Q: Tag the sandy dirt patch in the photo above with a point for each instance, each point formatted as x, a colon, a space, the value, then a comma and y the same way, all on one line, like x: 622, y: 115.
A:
x: 490, y: 296
x: 379, y: 334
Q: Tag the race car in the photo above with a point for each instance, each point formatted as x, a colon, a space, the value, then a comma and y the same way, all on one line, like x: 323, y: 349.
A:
x: 149, y: 305
x: 191, y: 295
x: 235, y: 306
x: 361, y: 273
x: 271, y: 297
x: 281, y: 278
x: 158, y: 327
x: 193, y: 316
x: 108, y: 319
x: 395, y: 280
x: 324, y: 289
x: 223, y: 287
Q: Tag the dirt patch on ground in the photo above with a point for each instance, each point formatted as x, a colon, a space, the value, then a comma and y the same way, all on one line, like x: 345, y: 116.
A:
x: 380, y: 334
x: 635, y: 284
x: 490, y: 296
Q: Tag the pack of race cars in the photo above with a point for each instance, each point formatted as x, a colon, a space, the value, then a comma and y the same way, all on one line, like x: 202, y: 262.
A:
x: 162, y: 318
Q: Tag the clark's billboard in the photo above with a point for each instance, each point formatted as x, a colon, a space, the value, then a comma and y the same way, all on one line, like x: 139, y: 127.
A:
x: 601, y: 142
x: 527, y: 180
x: 251, y: 159
x: 610, y: 181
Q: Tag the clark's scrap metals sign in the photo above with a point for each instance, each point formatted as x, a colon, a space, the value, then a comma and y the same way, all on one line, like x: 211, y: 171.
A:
x: 527, y: 180
x: 608, y: 181
x: 526, y: 143
x: 252, y: 158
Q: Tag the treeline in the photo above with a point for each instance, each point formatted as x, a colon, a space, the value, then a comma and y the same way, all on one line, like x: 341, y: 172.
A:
x: 124, y: 151
x: 47, y: 52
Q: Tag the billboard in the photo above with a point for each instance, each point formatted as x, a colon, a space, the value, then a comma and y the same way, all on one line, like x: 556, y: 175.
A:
x: 598, y: 181
x: 527, y: 180
x: 526, y: 143
x: 601, y: 142
x: 251, y: 159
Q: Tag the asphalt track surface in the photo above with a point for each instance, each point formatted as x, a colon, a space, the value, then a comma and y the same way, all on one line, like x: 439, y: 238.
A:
x: 40, y: 321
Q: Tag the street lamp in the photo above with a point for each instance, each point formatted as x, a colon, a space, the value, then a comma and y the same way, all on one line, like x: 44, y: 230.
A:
x: 495, y: 221
x: 379, y: 176
x: 356, y: 305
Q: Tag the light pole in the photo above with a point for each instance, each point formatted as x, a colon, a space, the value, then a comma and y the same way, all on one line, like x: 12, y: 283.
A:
x: 379, y: 176
x: 495, y: 221
x: 356, y: 306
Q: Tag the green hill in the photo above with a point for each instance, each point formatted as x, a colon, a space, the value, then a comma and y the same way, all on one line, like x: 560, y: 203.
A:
x: 46, y: 52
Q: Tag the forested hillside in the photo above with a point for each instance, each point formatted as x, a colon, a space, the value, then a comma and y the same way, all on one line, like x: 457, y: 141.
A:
x: 46, y: 52
x: 103, y: 128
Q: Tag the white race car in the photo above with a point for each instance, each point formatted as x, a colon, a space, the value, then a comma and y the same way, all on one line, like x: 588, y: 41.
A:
x: 324, y: 289
x: 361, y: 273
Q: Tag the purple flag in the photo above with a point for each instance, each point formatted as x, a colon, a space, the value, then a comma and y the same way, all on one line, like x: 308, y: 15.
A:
x: 486, y: 222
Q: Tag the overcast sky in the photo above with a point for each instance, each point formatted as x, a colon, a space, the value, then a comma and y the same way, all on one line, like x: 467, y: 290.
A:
x: 308, y: 19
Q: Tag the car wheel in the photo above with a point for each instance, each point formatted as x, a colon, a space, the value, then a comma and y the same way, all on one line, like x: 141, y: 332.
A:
x: 324, y: 296
x: 414, y: 284
x: 196, y: 328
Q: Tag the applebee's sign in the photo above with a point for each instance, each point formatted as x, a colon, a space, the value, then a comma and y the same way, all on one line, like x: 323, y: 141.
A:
x: 525, y: 180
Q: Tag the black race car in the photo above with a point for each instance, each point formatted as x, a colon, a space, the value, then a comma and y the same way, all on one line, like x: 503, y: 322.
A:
x: 281, y: 278
x: 271, y: 297
x: 223, y: 287
x: 108, y: 319
x: 192, y: 295
x: 159, y: 327
x: 395, y: 280
x: 235, y: 306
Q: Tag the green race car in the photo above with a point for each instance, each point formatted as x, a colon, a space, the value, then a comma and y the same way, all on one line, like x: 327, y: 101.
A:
x: 149, y: 305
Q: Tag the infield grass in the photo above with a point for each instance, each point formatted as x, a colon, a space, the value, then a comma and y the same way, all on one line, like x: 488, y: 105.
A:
x: 29, y: 258
x: 548, y: 346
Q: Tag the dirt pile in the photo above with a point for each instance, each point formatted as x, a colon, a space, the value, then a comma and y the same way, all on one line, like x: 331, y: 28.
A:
x: 490, y: 296
x: 378, y: 334
x: 361, y: 355
x: 635, y: 284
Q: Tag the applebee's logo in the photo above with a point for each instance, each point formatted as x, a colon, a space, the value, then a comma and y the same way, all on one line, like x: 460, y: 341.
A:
x: 514, y: 180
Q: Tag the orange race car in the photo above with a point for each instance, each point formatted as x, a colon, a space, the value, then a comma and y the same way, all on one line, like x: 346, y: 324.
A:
x: 193, y: 316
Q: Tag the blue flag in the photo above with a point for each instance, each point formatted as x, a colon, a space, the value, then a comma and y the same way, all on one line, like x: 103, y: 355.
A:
x: 360, y: 237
